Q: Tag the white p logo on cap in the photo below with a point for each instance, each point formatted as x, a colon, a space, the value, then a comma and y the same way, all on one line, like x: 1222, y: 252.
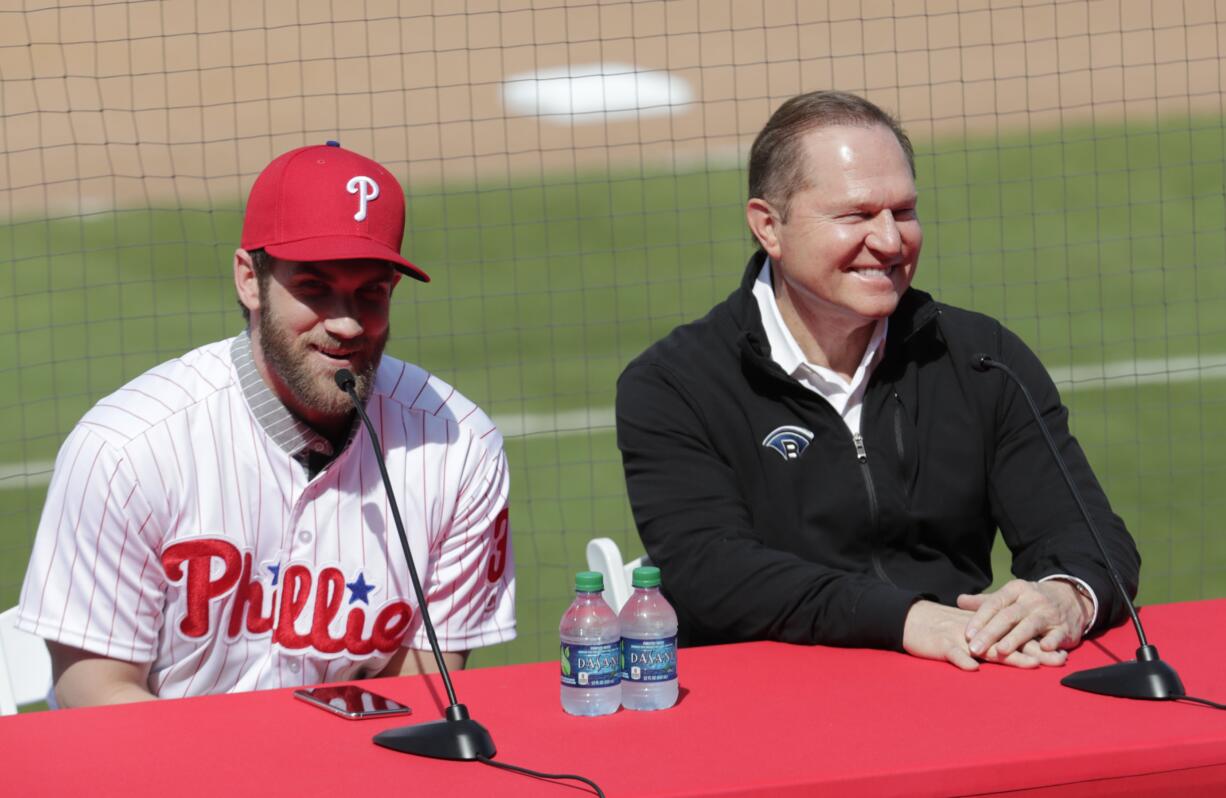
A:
x: 366, y: 189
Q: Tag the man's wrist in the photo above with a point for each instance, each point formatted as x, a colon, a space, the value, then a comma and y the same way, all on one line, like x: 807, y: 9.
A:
x: 1083, y: 594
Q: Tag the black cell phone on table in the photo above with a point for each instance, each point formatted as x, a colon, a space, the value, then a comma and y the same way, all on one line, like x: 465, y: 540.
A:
x: 352, y: 702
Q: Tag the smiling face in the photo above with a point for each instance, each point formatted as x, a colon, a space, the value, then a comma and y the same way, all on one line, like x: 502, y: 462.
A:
x: 311, y: 319
x: 849, y: 246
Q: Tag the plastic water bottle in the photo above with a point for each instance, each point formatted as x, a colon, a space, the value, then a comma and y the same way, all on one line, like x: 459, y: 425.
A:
x: 591, y: 675
x: 649, y: 645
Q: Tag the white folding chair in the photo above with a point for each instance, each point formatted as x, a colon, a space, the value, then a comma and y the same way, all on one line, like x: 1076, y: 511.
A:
x: 604, y: 556
x: 25, y: 666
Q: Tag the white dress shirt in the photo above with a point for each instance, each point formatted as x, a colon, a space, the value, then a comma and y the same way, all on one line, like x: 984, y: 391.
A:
x: 845, y: 397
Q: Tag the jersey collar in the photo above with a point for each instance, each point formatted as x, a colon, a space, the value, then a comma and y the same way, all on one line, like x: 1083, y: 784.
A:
x: 293, y: 435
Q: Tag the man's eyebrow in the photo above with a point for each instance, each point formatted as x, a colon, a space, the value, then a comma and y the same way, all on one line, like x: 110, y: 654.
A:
x: 867, y: 199
x: 309, y: 270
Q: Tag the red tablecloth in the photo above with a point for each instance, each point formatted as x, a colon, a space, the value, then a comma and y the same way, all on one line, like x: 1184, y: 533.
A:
x: 760, y: 719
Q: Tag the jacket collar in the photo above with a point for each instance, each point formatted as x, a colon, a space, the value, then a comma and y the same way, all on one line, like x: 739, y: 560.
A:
x: 915, y: 315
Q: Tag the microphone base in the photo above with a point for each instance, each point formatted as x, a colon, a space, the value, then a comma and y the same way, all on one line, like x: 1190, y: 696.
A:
x: 455, y: 737
x: 1147, y: 677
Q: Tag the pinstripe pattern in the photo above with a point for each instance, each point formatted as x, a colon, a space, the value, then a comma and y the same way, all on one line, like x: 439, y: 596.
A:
x: 194, y: 457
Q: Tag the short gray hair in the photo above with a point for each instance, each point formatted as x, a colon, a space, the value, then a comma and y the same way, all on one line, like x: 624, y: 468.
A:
x: 776, y: 160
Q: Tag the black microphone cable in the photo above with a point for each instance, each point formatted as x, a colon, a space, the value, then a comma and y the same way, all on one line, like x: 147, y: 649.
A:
x: 1204, y: 701
x: 485, y: 760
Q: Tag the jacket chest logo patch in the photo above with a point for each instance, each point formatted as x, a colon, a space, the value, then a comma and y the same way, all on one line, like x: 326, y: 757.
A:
x: 789, y: 442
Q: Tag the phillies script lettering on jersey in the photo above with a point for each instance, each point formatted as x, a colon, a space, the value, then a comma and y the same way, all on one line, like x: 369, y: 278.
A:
x: 193, y: 561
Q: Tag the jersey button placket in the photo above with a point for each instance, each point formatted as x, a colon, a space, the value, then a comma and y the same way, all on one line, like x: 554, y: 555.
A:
x: 304, y: 536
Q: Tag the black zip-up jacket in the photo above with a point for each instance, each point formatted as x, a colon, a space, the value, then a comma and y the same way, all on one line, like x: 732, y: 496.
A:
x: 833, y: 545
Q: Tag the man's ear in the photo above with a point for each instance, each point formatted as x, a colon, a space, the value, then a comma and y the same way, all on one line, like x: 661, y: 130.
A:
x: 246, y: 284
x: 764, y: 223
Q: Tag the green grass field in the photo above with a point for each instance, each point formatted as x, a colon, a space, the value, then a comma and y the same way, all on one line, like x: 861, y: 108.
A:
x: 1096, y: 246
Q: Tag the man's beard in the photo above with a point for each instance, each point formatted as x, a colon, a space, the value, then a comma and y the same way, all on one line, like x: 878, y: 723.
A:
x: 289, y: 357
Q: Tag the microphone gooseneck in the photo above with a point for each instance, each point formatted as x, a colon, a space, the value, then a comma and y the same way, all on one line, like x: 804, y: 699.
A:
x: 982, y: 362
x: 457, y: 736
x: 1146, y: 677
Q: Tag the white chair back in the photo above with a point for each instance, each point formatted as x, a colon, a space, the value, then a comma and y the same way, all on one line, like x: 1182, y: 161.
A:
x: 25, y: 666
x: 604, y: 556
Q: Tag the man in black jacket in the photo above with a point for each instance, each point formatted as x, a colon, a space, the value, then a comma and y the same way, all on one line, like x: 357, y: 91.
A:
x: 816, y: 461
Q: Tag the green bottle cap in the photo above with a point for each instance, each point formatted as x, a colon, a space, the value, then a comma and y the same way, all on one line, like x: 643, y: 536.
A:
x: 589, y: 581
x: 646, y: 576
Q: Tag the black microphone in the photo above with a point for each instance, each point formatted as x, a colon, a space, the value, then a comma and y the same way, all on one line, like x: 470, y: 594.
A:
x: 457, y: 736
x: 1145, y: 677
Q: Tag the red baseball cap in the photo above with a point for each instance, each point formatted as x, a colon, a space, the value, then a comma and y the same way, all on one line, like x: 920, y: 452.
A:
x: 326, y: 203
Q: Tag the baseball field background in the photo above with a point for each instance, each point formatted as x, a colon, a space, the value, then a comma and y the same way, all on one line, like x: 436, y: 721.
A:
x: 1071, y: 173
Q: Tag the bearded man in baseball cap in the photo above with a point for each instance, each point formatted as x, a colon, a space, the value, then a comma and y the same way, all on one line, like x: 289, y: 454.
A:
x: 219, y: 523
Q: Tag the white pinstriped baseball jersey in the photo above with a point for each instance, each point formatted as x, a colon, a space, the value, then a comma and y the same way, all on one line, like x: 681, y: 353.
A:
x: 178, y: 532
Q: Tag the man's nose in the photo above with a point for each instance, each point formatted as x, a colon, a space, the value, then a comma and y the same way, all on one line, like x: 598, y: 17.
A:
x: 884, y: 236
x: 342, y: 321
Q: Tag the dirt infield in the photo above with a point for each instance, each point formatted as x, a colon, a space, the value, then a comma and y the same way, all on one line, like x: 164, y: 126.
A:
x: 181, y: 102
